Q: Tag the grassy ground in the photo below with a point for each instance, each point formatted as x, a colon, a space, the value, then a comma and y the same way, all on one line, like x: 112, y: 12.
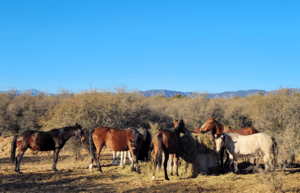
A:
x: 74, y: 176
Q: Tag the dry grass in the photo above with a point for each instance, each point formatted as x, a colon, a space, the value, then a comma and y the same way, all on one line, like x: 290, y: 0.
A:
x: 74, y: 176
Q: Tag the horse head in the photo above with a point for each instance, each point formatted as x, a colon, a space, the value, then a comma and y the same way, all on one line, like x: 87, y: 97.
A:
x: 180, y: 127
x: 78, y: 133
x: 208, y: 125
x: 219, y: 141
x: 137, y: 142
x: 211, y: 125
x: 175, y: 123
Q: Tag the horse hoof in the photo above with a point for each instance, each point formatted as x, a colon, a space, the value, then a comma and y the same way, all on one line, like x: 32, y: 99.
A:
x: 153, y: 178
x: 167, y: 178
x: 19, y: 172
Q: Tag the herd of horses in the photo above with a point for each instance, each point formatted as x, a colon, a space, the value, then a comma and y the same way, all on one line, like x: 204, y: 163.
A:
x: 138, y: 144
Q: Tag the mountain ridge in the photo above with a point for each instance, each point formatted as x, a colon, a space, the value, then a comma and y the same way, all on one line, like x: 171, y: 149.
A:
x: 168, y: 93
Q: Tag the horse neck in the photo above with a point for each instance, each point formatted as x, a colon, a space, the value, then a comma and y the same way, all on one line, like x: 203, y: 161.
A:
x: 219, y: 128
x: 68, y: 133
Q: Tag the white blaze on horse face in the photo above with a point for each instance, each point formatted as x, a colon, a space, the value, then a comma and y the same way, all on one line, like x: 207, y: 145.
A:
x: 219, y: 143
x: 202, y: 126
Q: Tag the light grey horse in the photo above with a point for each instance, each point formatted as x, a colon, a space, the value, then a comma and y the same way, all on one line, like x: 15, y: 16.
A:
x: 240, y: 145
x: 123, y: 155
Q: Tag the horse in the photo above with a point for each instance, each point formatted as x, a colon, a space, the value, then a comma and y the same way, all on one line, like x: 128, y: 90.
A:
x: 167, y: 141
x: 147, y: 139
x: 116, y: 140
x: 237, y: 145
x: 212, y: 125
x: 244, y: 131
x: 54, y: 139
x: 123, y: 155
x: 143, y: 152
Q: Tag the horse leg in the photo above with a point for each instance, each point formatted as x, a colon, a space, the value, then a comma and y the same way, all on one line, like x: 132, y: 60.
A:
x: 114, y: 157
x: 230, y: 162
x: 55, y: 156
x: 172, y: 163
x: 18, y: 160
x: 129, y: 156
x: 134, y: 165
x: 177, y: 159
x: 267, y: 161
x: 91, y: 165
x: 122, y: 158
x: 235, y: 164
x: 166, y: 164
x: 222, y: 157
x: 97, y: 158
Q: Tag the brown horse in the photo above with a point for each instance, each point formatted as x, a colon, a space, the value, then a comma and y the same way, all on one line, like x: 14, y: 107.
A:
x: 167, y: 141
x: 244, y: 131
x: 116, y: 140
x: 212, y: 125
x: 43, y: 141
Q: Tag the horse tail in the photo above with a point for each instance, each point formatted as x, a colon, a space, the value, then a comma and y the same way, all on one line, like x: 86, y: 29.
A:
x: 274, y: 150
x: 92, y: 145
x: 160, y: 149
x: 13, y: 148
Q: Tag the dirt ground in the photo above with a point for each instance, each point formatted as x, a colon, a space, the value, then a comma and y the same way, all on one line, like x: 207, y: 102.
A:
x: 74, y: 176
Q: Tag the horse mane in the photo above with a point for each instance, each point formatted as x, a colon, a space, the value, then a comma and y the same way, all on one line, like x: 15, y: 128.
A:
x: 217, y: 126
x: 135, y: 134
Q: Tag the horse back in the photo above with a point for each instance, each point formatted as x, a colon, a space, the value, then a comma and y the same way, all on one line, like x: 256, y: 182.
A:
x: 114, y: 139
x: 36, y: 140
x: 170, y: 141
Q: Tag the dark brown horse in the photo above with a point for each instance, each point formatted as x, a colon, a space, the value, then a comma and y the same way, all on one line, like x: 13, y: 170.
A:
x: 116, y: 140
x: 43, y: 141
x: 212, y: 125
x: 167, y: 141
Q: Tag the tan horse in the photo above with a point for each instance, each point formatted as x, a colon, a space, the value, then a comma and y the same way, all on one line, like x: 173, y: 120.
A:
x: 239, y: 145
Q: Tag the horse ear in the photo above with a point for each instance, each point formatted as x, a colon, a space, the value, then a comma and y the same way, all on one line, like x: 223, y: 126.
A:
x: 215, y: 135
x: 76, y: 124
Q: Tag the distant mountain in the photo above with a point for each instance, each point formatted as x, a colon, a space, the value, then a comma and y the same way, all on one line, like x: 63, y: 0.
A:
x: 168, y: 93
x: 33, y: 92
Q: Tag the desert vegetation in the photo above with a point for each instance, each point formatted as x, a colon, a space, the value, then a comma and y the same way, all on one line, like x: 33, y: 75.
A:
x: 277, y: 114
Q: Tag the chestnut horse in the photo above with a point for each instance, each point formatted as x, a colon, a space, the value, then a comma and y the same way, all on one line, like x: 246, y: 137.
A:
x: 167, y: 141
x: 54, y: 139
x: 116, y: 140
x: 143, y: 152
x: 212, y: 125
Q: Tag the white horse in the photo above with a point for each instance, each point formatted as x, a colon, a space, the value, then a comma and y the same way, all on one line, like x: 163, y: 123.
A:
x: 240, y: 145
x: 116, y: 154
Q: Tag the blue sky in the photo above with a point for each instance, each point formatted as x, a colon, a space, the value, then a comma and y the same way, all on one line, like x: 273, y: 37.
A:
x: 203, y: 45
